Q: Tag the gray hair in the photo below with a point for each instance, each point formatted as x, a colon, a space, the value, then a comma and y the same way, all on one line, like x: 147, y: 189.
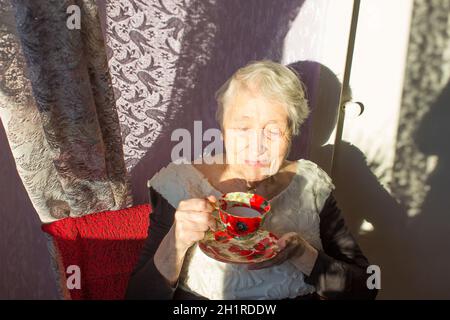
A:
x: 274, y: 81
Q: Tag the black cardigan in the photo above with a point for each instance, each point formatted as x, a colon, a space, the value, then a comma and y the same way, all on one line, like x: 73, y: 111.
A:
x: 339, y: 271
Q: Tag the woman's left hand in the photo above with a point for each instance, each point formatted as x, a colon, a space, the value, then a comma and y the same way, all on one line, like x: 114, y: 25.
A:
x: 289, y: 245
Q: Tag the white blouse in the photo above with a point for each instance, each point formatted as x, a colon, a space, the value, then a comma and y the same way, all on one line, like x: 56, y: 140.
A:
x: 296, y: 209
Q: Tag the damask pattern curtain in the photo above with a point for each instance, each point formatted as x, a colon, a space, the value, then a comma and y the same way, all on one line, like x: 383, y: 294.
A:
x: 58, y: 109
x: 168, y: 57
x: 156, y: 50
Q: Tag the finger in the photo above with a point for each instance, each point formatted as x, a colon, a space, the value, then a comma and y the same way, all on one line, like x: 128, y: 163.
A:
x: 195, y: 205
x: 287, y: 239
x: 203, y: 219
x: 201, y: 216
x: 189, y: 226
x: 282, y: 256
x: 281, y: 244
x: 212, y: 199
x: 288, y: 250
x: 195, y: 216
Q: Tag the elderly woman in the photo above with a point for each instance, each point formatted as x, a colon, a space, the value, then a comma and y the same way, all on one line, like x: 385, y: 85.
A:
x: 260, y: 108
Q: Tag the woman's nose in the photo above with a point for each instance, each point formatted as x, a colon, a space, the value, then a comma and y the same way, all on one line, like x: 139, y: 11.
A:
x: 258, y: 142
x: 261, y: 142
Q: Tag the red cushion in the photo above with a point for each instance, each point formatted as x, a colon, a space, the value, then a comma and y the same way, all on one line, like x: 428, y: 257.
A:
x: 105, y: 245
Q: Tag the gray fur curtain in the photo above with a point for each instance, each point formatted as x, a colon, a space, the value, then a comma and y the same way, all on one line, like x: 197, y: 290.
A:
x: 58, y: 109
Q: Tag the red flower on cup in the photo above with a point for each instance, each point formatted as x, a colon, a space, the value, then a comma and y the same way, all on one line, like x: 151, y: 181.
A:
x: 243, y: 226
x: 259, y: 203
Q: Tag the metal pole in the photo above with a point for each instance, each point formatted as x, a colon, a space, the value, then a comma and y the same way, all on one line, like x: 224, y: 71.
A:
x: 345, y: 86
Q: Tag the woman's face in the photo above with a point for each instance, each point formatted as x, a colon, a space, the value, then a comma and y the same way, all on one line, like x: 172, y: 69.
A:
x: 256, y: 135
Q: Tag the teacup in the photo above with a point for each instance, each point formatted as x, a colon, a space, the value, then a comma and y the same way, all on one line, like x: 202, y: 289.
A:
x: 241, y: 214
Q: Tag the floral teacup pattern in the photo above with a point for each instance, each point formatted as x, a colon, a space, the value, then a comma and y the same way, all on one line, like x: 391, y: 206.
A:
x: 238, y: 226
x: 223, y: 247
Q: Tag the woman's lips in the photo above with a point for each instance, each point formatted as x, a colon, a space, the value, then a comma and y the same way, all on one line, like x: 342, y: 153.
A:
x: 256, y: 163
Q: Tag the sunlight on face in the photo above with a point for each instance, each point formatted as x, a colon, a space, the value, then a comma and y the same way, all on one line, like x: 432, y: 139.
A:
x: 256, y: 135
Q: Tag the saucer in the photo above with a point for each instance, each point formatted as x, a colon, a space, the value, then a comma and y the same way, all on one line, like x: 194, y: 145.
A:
x: 221, y: 246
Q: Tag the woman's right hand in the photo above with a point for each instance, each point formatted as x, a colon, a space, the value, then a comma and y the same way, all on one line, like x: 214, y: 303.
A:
x: 193, y: 218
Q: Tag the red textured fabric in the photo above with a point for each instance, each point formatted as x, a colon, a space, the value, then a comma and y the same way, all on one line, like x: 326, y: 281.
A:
x: 105, y: 245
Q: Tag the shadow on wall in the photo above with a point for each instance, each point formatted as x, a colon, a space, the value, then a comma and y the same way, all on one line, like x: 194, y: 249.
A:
x: 360, y: 195
x: 430, y: 229
x: 244, y: 31
x: 411, y: 252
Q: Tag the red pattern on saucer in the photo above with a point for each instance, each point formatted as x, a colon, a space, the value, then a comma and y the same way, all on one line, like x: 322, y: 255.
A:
x: 223, y: 247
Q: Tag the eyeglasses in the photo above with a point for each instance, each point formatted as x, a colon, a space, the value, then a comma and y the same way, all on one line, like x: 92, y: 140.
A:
x: 270, y: 132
